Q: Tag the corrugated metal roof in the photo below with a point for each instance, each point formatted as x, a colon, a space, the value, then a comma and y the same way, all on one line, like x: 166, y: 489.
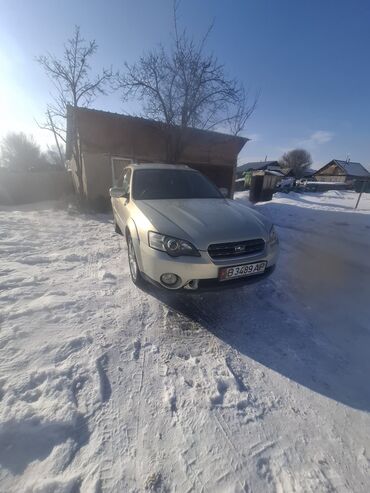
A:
x: 353, y: 169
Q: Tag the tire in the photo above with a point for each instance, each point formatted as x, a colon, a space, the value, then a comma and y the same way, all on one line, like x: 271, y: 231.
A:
x: 135, y: 273
x: 117, y: 229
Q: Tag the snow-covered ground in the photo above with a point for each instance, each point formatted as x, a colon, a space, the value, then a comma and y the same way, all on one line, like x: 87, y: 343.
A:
x: 106, y: 388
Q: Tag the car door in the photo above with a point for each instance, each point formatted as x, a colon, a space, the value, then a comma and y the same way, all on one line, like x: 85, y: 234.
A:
x: 120, y: 205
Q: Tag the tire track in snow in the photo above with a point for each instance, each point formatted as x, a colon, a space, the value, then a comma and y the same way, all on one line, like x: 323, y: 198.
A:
x: 127, y: 375
x: 107, y: 421
x: 192, y: 467
x: 227, y: 361
x: 132, y: 445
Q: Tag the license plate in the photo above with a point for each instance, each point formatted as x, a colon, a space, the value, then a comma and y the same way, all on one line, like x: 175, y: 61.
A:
x: 243, y: 270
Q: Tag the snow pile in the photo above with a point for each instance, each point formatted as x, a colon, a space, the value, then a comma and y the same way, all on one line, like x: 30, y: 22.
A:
x: 56, y: 485
x: 53, y: 373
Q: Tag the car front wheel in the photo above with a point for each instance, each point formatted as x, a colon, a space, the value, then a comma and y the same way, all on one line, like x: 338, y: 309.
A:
x: 132, y: 262
x: 117, y: 229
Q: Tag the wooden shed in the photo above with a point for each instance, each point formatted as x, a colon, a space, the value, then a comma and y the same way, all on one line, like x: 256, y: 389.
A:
x: 107, y: 142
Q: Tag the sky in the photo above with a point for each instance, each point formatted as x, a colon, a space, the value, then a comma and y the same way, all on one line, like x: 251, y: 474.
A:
x: 309, y: 60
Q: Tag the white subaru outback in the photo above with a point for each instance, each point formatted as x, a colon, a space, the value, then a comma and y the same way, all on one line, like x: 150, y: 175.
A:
x: 182, y: 233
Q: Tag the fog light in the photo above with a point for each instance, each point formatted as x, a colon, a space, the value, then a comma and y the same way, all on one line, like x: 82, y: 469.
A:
x: 169, y: 279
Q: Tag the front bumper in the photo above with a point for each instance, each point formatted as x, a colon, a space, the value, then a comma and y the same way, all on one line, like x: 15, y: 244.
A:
x: 199, y: 272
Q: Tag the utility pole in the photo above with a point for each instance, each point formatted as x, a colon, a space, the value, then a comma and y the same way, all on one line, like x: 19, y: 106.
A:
x: 362, y: 191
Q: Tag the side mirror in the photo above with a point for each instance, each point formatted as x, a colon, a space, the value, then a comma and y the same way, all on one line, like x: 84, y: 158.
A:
x: 117, y: 193
x: 224, y: 191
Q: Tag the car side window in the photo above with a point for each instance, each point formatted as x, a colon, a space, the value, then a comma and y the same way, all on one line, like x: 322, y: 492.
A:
x: 126, y: 181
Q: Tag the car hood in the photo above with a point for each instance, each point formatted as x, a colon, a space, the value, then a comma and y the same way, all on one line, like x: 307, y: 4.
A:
x: 205, y: 221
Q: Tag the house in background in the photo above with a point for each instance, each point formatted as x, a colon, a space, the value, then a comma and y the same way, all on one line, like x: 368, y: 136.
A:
x: 308, y: 172
x: 341, y: 172
x: 246, y: 171
x: 257, y: 166
x: 270, y: 166
x: 108, y: 142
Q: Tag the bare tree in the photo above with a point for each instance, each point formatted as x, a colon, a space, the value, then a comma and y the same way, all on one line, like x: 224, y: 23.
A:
x: 74, y: 86
x: 298, y: 160
x: 53, y: 155
x: 20, y: 152
x: 186, y: 88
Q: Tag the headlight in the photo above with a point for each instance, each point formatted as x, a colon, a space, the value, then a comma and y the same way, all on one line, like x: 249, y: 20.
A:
x: 173, y: 246
x: 273, y: 237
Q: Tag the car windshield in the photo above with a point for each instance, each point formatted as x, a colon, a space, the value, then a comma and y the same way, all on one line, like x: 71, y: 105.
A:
x: 151, y: 184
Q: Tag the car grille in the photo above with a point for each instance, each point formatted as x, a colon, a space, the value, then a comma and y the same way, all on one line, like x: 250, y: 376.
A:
x: 236, y: 249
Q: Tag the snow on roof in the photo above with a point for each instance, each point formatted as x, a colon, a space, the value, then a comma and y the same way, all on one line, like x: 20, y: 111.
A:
x: 274, y: 168
x: 309, y: 171
x: 354, y: 169
x: 274, y: 172
x: 256, y: 165
x: 286, y: 171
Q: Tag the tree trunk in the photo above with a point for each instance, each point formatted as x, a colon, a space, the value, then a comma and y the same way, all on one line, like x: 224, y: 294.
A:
x: 77, y: 156
x: 61, y: 157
